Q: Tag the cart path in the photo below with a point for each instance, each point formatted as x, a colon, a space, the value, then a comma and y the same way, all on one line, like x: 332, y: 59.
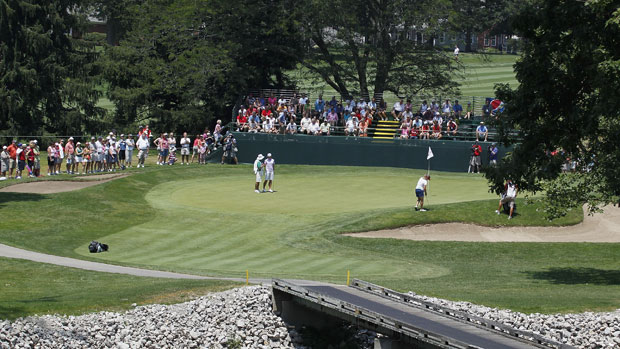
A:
x: 18, y: 253
x: 601, y: 227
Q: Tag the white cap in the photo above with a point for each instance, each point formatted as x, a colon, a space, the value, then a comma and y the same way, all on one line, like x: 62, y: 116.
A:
x: 4, y: 147
x: 111, y: 133
x: 268, y: 155
x: 70, y: 138
x: 260, y: 157
x: 122, y: 135
x: 35, y: 141
x: 78, y: 143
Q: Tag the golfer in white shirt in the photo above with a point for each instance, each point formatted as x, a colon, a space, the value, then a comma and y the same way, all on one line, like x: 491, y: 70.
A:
x: 270, y: 165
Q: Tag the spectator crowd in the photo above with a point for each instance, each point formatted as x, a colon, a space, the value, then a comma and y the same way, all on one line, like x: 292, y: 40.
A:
x: 112, y: 153
x: 352, y: 117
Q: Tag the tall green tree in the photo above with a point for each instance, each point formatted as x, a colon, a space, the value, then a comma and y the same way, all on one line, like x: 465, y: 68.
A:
x: 567, y: 104
x: 46, y: 75
x: 119, y: 16
x: 373, y: 46
x: 472, y: 17
x: 185, y: 62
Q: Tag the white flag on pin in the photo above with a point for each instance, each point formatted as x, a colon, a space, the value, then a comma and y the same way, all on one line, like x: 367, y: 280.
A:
x: 430, y: 154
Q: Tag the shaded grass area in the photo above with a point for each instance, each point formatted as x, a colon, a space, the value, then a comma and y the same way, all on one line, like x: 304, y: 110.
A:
x: 29, y: 288
x: 207, y: 220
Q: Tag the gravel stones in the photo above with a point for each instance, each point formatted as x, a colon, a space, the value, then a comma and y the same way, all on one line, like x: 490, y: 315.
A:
x: 584, y: 330
x: 240, y: 318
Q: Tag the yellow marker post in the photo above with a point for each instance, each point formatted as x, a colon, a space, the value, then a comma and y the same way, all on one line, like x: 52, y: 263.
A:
x: 247, y: 277
x: 348, y: 277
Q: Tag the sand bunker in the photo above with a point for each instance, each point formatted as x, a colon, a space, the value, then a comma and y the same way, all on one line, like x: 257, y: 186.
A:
x: 602, y: 227
x: 52, y: 187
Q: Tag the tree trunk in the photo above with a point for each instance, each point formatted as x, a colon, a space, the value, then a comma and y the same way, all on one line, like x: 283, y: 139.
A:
x: 468, y: 34
x: 113, y: 32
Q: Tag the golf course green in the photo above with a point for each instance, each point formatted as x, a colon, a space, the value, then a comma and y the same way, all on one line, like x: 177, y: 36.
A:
x: 208, y: 220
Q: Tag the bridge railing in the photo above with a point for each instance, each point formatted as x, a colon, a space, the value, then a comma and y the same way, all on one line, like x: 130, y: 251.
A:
x: 455, y: 314
x: 364, y: 314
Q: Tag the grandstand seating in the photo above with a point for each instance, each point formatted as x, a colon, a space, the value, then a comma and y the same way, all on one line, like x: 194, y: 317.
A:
x: 388, y: 129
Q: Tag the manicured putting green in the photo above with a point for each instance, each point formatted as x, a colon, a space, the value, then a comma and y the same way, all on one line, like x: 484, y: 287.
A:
x: 220, y: 226
x: 314, y: 193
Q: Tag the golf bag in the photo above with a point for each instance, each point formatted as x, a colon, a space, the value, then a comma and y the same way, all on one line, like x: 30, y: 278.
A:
x: 96, y: 247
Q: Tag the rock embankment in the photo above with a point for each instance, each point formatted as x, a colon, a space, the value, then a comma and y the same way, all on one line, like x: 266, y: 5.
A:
x: 242, y: 318
x: 236, y: 318
x: 584, y: 330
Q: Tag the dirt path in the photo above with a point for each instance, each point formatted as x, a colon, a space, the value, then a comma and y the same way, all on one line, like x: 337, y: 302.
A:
x: 603, y: 227
x: 52, y: 187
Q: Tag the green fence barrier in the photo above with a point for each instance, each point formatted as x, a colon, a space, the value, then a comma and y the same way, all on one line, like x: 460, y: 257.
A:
x: 453, y: 156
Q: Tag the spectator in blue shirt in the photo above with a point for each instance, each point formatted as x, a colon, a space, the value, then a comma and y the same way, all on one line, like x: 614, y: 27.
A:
x: 493, y: 154
x: 458, y: 109
x: 333, y: 103
x: 482, y: 131
x: 319, y: 105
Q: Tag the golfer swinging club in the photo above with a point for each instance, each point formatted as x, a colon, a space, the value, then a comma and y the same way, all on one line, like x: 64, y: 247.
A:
x: 420, y: 191
x: 270, y: 165
x: 258, y: 171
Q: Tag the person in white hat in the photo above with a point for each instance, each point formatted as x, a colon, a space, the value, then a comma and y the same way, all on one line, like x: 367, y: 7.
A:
x: 4, y: 162
x: 258, y: 171
x: 36, y: 169
x: 79, y: 157
x: 270, y: 165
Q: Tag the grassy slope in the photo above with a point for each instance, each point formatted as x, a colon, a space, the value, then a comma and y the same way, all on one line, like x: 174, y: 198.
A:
x: 480, y: 74
x: 28, y: 288
x: 207, y: 220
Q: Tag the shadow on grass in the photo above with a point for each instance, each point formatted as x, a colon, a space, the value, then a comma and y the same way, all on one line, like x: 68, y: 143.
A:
x: 577, y: 276
x: 8, y: 197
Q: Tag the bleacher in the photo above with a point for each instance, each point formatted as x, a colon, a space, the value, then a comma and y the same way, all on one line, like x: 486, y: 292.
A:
x: 389, y: 129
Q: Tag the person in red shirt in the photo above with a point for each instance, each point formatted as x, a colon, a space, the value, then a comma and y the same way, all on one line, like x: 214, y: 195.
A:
x: 436, y: 130
x: 266, y: 113
x: 196, y: 147
x: 476, y: 161
x: 414, y: 132
x: 30, y: 159
x: 452, y: 128
x: 20, y: 153
x: 12, y: 149
x: 425, y: 131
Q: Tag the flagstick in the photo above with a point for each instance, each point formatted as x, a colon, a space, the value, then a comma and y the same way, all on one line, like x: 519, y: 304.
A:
x: 428, y: 185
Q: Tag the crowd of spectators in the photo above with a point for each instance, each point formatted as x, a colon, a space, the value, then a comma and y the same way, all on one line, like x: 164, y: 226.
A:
x: 298, y: 115
x: 112, y: 153
x: 352, y: 117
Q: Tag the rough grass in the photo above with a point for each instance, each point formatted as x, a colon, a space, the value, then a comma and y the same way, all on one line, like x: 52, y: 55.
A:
x: 29, y: 288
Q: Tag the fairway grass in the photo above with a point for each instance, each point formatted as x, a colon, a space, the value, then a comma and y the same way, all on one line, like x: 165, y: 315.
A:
x: 207, y: 220
x: 29, y: 288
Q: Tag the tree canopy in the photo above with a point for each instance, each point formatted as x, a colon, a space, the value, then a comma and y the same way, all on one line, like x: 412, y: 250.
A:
x: 566, y: 108
x: 47, y: 78
x: 185, y: 61
x: 367, y: 46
